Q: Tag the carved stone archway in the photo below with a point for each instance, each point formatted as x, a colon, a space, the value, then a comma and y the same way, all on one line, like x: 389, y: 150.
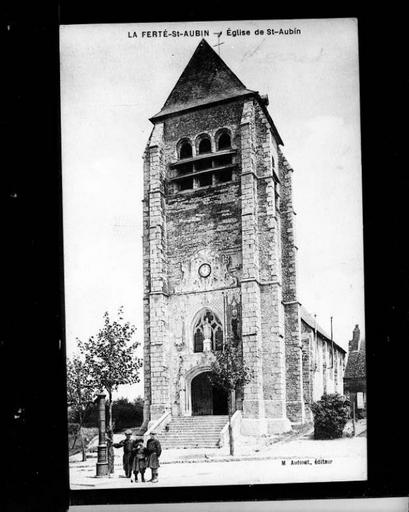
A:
x: 188, y: 387
x: 216, y: 399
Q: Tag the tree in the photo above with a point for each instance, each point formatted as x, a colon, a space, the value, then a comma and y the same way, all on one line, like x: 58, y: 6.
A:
x: 109, y: 357
x: 139, y: 405
x: 229, y: 373
x: 80, y: 392
x: 127, y: 414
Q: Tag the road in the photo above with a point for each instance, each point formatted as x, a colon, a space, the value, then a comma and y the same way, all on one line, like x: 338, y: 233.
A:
x: 296, y: 462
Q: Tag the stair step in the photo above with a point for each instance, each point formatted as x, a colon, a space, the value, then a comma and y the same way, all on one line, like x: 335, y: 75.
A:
x: 192, y: 432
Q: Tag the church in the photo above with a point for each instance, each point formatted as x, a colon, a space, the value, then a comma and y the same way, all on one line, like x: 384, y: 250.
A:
x: 220, y: 261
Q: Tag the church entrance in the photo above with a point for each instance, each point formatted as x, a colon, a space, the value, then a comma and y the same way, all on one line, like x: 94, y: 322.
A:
x: 207, y: 399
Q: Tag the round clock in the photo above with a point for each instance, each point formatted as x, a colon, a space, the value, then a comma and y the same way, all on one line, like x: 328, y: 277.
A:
x: 204, y: 270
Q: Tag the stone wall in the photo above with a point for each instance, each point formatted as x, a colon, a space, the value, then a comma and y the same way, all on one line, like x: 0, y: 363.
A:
x: 155, y: 282
x: 322, y: 377
x: 307, y: 371
x: 245, y: 230
x: 294, y: 381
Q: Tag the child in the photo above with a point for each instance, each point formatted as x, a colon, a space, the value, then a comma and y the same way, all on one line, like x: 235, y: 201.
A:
x: 153, y: 449
x: 139, y: 461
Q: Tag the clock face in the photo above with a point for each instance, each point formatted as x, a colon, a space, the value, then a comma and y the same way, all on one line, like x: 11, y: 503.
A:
x: 204, y: 270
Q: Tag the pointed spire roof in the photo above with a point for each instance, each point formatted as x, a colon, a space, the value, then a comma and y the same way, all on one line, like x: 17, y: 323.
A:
x: 206, y: 79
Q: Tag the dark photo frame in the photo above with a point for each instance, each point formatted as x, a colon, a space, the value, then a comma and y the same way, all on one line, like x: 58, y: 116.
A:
x: 33, y: 345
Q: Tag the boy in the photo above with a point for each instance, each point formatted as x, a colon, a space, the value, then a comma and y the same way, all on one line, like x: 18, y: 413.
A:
x: 139, y: 461
x: 153, y: 449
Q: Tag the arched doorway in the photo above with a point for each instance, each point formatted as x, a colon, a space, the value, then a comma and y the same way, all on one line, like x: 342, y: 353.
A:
x: 207, y: 399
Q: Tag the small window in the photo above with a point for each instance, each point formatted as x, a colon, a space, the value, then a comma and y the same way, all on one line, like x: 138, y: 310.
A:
x: 205, y: 146
x: 186, y: 184
x: 185, y: 150
x: 224, y: 141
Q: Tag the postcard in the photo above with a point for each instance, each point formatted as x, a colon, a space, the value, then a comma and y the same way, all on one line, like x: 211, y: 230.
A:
x: 213, y: 253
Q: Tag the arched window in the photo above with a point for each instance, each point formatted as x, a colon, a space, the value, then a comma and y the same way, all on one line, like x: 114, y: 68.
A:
x: 206, y: 326
x: 224, y: 141
x: 218, y: 342
x: 198, y: 340
x: 185, y: 150
x: 205, y: 146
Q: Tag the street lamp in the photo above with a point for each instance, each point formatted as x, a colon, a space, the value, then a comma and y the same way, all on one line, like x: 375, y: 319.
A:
x: 102, y: 461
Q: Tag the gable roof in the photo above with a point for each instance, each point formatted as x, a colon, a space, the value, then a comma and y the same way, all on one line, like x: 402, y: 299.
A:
x: 311, y: 321
x: 205, y: 79
x: 356, y: 363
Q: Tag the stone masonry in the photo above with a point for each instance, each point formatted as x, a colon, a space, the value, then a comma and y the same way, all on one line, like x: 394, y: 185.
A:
x: 220, y: 253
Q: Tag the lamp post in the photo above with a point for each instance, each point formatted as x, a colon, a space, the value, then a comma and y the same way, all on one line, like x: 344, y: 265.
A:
x: 102, y: 461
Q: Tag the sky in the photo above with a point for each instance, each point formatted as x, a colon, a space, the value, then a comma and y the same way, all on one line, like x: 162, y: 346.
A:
x: 112, y: 82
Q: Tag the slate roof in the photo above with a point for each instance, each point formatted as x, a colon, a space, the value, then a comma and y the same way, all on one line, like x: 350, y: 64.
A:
x: 356, y: 363
x: 310, y: 320
x: 207, y: 80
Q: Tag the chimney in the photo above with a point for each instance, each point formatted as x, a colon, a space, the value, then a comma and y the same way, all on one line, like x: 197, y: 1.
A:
x: 356, y: 335
x: 264, y: 99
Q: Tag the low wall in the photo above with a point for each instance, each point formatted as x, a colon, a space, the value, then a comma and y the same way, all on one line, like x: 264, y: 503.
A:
x: 224, y: 433
x: 158, y: 425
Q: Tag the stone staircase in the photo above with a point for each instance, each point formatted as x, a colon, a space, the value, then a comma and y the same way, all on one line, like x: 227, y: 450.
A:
x: 192, y: 432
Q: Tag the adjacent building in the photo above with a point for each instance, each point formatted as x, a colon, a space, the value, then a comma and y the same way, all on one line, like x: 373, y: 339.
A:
x: 355, y: 372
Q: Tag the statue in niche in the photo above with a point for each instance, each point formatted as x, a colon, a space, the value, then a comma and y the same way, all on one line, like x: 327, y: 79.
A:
x: 234, y: 319
x: 235, y: 326
x: 207, y: 333
x: 229, y: 277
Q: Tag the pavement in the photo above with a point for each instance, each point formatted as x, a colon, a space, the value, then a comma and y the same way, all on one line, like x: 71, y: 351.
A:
x: 295, y: 458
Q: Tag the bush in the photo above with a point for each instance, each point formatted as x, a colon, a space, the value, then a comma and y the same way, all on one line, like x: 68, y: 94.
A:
x: 331, y: 414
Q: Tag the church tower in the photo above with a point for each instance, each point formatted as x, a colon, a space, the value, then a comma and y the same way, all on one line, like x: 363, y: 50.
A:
x: 219, y: 252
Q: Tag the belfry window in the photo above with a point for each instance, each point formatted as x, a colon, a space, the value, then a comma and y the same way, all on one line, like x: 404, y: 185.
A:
x: 207, y: 332
x: 205, y: 146
x: 224, y: 141
x: 185, y: 150
x: 200, y: 166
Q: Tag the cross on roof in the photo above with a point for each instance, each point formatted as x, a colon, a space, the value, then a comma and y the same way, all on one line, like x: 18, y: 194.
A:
x: 218, y: 34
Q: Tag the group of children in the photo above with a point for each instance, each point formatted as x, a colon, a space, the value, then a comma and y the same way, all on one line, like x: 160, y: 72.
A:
x: 137, y: 457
